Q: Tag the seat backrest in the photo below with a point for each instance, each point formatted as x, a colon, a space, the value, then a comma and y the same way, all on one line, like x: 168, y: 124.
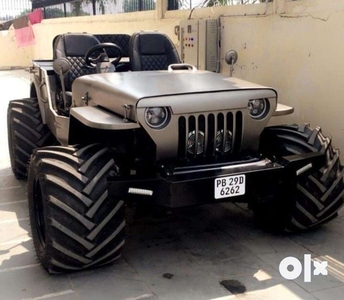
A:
x: 151, y: 50
x: 122, y: 40
x: 73, y: 47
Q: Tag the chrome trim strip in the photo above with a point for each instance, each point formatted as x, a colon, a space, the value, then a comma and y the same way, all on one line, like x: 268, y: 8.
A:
x: 260, y: 163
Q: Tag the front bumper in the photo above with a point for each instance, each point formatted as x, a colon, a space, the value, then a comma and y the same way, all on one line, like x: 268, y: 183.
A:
x: 185, y: 186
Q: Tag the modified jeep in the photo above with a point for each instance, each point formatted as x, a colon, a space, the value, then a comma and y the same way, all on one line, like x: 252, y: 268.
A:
x: 118, y: 119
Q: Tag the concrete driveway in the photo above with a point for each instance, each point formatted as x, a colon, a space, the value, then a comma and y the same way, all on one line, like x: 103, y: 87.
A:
x: 185, y: 255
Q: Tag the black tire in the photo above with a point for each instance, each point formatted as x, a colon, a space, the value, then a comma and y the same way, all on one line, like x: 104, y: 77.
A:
x: 75, y: 225
x: 317, y: 197
x: 26, y: 132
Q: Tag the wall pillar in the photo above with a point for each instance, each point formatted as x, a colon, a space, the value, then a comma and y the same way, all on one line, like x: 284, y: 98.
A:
x: 161, y: 7
x: 278, y: 6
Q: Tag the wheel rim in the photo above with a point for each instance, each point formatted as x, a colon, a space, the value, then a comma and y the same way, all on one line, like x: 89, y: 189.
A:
x: 39, y: 212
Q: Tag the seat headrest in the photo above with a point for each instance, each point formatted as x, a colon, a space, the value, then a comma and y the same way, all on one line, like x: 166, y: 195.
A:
x: 153, y: 43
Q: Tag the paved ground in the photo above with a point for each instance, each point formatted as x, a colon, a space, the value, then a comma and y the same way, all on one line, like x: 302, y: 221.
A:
x: 180, y: 256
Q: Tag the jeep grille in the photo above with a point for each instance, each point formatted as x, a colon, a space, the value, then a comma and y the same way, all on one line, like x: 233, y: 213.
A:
x: 209, y: 134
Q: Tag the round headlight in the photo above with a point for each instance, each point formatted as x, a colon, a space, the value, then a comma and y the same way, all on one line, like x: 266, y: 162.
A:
x: 257, y: 108
x: 157, y: 117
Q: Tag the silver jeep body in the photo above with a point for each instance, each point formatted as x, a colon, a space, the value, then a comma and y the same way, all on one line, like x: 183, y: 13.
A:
x: 209, y: 134
x: 173, y: 138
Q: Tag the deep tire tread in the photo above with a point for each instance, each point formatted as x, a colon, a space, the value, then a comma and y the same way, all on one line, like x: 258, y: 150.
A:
x: 84, y: 226
x: 319, y: 196
x: 26, y: 132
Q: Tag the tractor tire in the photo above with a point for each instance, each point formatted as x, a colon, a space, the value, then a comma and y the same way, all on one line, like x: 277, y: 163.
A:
x: 26, y: 132
x: 75, y: 225
x: 318, y: 196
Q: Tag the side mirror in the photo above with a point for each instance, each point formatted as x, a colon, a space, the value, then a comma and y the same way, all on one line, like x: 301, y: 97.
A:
x: 61, y: 66
x: 231, y: 58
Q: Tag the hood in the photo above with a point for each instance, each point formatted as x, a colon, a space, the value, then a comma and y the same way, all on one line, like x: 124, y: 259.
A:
x: 114, y: 90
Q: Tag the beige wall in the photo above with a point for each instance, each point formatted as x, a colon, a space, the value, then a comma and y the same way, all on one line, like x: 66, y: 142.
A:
x: 301, y: 54
x: 121, y: 23
x: 10, y: 55
x: 296, y: 47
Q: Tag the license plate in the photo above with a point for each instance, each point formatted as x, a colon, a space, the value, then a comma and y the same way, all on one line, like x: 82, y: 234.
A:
x: 230, y: 186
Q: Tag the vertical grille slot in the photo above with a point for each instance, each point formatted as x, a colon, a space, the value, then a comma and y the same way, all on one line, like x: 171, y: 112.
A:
x: 238, y: 131
x: 192, y: 124
x: 230, y: 125
x: 220, y: 129
x: 211, y: 136
x: 215, y: 133
x: 203, y: 128
x: 182, y: 137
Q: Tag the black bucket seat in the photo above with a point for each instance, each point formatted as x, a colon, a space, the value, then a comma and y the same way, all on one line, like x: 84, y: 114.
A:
x: 73, y: 47
x: 151, y: 50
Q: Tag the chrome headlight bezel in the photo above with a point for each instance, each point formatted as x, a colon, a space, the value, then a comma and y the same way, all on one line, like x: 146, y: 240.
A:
x: 261, y: 106
x: 162, y: 113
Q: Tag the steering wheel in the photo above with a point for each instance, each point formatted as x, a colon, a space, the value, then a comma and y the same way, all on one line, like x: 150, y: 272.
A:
x: 101, y: 55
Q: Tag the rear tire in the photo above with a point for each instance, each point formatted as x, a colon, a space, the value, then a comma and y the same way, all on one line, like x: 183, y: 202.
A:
x: 75, y: 225
x: 26, y: 132
x: 318, y: 197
